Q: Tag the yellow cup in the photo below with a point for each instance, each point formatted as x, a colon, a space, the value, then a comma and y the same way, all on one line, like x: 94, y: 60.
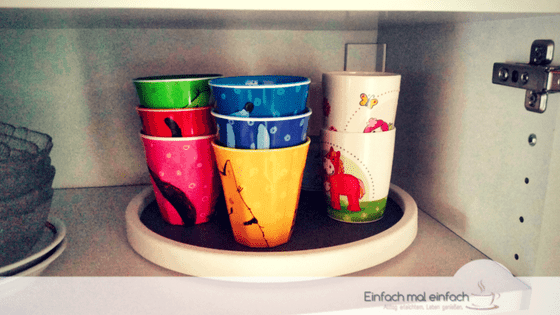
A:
x: 262, y: 189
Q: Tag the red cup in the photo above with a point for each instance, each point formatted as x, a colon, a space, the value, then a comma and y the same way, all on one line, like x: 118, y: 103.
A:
x: 183, y: 122
x: 184, y: 176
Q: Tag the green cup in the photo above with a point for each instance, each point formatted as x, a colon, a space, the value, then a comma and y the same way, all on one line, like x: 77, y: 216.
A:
x: 174, y: 91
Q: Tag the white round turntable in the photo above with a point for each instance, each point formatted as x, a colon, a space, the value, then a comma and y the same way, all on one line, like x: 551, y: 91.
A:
x: 319, y: 246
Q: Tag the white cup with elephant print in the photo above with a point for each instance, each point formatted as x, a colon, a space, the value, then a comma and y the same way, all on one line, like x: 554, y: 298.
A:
x: 357, y: 101
x: 357, y: 174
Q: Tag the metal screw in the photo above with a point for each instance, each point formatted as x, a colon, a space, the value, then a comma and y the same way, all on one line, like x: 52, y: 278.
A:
x: 532, y: 98
x: 503, y: 74
x: 524, y: 77
x: 532, y: 139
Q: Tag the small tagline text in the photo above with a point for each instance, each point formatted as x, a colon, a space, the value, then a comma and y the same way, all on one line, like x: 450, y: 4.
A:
x: 423, y: 307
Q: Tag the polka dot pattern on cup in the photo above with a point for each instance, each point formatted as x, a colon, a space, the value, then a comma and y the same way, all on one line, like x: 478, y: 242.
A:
x: 188, y: 168
x: 269, y: 133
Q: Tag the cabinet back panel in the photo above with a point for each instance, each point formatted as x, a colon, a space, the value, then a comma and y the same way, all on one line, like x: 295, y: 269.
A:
x: 76, y: 84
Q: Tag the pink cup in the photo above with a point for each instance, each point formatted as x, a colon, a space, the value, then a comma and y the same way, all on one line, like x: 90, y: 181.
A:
x: 184, y: 175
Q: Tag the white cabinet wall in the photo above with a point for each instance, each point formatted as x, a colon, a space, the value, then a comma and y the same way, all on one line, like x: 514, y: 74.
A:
x: 462, y: 142
x: 76, y: 84
x: 462, y: 148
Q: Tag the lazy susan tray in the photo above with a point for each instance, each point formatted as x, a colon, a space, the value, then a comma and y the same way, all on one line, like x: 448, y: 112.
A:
x: 319, y: 246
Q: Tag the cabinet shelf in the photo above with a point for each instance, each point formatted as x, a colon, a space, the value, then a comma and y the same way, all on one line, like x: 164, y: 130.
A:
x: 335, y: 19
x: 100, y: 214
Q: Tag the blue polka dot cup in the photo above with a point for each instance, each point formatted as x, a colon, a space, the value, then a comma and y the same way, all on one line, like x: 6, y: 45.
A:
x: 260, y: 96
x: 262, y: 132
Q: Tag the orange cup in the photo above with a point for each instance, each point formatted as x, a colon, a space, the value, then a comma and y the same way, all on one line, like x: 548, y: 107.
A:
x: 262, y: 189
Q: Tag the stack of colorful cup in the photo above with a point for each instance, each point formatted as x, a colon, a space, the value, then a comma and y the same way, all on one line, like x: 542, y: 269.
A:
x: 357, y: 142
x: 177, y: 134
x: 261, y: 150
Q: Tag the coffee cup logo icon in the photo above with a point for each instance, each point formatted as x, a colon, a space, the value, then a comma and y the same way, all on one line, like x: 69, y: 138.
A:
x: 483, y: 300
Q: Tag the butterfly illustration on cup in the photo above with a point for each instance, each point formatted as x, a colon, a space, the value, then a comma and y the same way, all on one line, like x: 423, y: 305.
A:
x: 368, y: 100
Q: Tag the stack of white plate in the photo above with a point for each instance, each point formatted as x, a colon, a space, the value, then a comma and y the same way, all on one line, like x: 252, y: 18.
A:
x: 50, y: 245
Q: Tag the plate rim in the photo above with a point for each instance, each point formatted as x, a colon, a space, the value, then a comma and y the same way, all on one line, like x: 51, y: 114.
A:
x: 26, y: 277
x: 37, y: 269
x: 59, y: 233
x: 186, y: 258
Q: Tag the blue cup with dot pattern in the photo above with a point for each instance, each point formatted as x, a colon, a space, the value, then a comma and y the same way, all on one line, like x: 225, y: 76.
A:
x: 260, y: 96
x: 262, y: 132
